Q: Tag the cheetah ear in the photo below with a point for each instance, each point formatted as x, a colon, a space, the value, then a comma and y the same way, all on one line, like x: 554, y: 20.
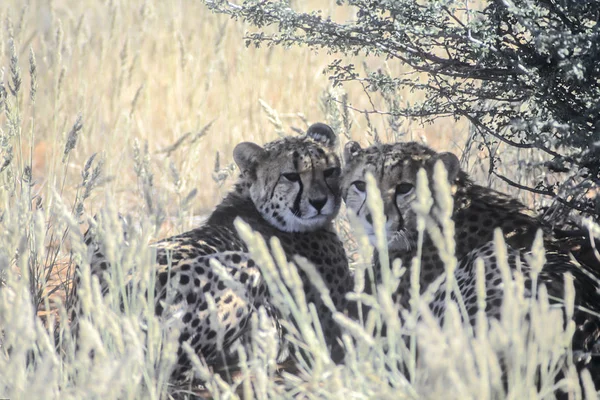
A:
x: 322, y: 133
x: 450, y: 162
x: 247, y: 155
x: 351, y: 149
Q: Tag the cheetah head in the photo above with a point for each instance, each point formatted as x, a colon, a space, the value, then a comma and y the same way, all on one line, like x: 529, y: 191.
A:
x: 395, y: 168
x: 294, y: 181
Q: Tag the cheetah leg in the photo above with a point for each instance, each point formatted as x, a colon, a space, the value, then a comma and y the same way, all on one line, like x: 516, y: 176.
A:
x: 210, y: 299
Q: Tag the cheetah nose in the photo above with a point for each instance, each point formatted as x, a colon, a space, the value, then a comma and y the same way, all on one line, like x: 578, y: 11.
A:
x: 318, y: 204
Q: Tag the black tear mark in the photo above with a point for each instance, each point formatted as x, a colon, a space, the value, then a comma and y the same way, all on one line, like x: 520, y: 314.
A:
x: 361, y: 206
x: 296, y: 207
x: 274, y: 187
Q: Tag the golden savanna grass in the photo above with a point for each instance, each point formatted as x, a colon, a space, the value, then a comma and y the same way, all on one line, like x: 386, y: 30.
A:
x: 160, y: 88
x: 154, y: 72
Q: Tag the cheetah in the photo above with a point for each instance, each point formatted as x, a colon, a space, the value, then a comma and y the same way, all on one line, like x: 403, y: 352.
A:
x: 288, y: 189
x: 477, y: 213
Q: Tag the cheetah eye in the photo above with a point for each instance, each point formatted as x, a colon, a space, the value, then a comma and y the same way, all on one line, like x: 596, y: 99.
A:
x: 291, y: 176
x: 331, y: 172
x: 404, y: 188
x: 361, y: 186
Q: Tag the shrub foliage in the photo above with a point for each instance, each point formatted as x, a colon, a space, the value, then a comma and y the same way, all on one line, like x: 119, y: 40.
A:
x: 524, y: 73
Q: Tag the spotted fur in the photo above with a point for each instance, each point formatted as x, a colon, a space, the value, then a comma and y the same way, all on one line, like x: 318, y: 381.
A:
x: 477, y: 210
x: 288, y: 189
x: 477, y: 213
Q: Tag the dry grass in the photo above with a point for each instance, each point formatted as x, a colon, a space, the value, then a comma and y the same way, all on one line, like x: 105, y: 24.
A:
x: 166, y: 73
x: 162, y: 74
x: 156, y: 71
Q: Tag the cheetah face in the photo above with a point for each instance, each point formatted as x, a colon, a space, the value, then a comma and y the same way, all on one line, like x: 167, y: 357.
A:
x: 395, y: 169
x: 294, y: 181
